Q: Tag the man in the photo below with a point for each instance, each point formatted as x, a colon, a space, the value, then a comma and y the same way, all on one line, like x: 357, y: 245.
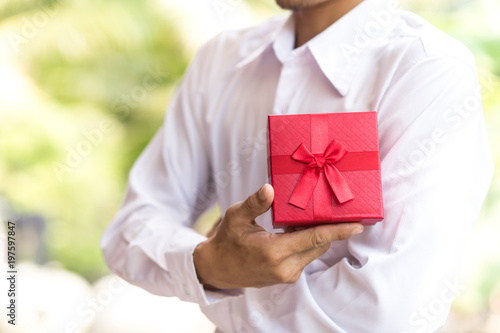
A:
x: 327, y: 56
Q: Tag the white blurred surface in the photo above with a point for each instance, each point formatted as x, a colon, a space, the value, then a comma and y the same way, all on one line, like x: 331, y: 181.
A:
x: 47, y: 300
x: 132, y: 310
x: 53, y: 300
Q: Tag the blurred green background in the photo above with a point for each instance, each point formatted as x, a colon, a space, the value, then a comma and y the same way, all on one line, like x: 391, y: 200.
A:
x: 84, y: 86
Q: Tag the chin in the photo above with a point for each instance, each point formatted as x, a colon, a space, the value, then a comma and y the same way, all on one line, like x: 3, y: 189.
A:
x: 298, y: 4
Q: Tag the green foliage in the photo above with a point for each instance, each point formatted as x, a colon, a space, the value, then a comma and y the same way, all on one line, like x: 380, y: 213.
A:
x: 86, y: 62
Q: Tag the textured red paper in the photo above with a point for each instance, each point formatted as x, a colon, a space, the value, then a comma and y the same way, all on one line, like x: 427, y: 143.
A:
x: 360, y: 167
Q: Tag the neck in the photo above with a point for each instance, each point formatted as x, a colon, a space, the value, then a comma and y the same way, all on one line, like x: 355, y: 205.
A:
x: 311, y: 21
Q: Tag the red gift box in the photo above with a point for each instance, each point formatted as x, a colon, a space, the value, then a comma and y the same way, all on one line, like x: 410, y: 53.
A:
x: 325, y: 168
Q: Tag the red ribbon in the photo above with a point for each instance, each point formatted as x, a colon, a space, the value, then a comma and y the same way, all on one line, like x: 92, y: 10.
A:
x: 310, y: 175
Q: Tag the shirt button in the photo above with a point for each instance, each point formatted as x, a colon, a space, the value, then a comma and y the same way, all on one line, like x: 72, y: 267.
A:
x: 187, y: 291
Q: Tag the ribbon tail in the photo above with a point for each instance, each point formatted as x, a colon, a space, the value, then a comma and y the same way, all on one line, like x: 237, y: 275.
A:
x: 338, y: 184
x: 305, y: 187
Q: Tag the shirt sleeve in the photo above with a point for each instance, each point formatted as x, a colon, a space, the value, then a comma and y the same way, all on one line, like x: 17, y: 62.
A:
x: 400, y: 274
x: 150, y: 242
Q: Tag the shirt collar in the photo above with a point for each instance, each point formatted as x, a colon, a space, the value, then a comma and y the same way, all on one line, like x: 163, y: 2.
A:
x: 336, y: 49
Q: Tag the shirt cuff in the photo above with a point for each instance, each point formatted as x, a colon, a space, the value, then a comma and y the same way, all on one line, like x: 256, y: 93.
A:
x: 188, y: 286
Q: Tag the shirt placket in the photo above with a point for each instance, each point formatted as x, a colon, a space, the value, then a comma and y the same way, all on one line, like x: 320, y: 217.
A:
x: 290, y: 79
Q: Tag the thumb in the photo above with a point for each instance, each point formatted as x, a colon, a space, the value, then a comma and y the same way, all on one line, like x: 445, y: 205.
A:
x: 258, y: 203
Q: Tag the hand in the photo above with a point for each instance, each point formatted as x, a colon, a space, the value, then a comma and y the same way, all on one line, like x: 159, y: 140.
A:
x: 242, y: 254
x: 214, y: 228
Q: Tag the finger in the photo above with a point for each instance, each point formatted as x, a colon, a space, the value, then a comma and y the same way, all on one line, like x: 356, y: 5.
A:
x: 296, y: 277
x: 315, y: 237
x: 289, y: 270
x: 258, y: 203
x: 297, y: 262
x: 302, y: 259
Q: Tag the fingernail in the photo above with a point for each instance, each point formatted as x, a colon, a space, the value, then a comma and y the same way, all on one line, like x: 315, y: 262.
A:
x: 262, y: 195
x: 357, y: 231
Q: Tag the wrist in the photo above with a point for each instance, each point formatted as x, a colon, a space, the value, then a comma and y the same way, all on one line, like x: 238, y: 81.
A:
x: 203, y: 263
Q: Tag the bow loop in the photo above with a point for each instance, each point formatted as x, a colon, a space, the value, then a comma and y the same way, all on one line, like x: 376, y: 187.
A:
x: 310, y: 175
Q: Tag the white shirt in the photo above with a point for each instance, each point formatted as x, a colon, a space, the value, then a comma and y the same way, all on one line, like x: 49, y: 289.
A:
x: 398, y: 275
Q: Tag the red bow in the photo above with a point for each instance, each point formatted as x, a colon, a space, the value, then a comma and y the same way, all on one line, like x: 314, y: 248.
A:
x: 310, y: 175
